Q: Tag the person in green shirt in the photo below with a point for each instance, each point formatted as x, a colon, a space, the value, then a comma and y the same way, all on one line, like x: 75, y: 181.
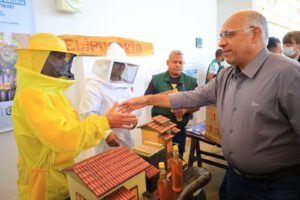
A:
x: 215, y: 66
x: 173, y: 79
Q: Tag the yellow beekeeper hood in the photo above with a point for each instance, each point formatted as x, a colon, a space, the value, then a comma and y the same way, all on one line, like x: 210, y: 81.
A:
x: 32, y: 59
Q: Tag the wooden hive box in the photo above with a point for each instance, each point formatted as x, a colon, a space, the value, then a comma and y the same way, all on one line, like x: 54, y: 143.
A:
x: 160, y: 130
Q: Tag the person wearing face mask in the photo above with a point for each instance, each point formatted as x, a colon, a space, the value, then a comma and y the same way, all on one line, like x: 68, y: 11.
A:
x: 48, y: 131
x: 215, y: 66
x: 291, y: 45
x: 111, y: 80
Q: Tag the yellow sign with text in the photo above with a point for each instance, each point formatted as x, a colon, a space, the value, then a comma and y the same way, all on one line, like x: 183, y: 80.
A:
x: 97, y: 46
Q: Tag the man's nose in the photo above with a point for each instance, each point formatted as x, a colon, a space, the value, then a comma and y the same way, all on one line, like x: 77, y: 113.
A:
x: 222, y: 42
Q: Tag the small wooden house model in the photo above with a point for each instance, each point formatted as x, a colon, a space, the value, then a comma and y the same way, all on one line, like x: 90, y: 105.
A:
x: 112, y: 175
x: 160, y: 130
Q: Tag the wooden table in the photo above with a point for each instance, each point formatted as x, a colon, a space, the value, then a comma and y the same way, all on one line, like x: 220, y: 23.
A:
x: 196, y: 135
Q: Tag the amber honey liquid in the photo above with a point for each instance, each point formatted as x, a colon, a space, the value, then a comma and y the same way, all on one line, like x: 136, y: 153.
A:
x: 177, y: 174
x: 163, y: 186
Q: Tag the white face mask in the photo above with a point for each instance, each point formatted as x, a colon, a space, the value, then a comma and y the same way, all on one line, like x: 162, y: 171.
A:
x: 289, y: 51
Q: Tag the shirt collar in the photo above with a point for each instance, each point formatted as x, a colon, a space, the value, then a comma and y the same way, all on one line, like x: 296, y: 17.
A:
x: 167, y: 78
x: 251, y: 69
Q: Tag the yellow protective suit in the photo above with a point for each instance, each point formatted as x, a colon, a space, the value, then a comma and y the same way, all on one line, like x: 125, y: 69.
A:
x: 47, y: 129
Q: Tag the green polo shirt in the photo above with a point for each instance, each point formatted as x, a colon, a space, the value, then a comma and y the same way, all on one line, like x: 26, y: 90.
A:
x: 161, y: 83
x: 214, y: 68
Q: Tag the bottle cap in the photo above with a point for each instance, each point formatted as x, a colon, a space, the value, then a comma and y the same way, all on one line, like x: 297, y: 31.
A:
x: 175, y: 147
x: 161, y: 165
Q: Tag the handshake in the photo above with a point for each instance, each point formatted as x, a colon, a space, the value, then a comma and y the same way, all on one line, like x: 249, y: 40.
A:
x: 119, y: 118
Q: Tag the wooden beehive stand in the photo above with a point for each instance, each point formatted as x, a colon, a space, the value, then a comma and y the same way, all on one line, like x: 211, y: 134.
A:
x: 156, y: 134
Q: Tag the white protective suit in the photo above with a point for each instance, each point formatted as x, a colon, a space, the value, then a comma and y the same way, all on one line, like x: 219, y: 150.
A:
x: 100, y: 93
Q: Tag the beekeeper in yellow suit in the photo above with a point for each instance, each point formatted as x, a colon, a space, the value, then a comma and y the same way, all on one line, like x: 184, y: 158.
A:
x: 48, y: 132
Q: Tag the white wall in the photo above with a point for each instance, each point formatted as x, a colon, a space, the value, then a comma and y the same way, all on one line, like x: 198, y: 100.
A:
x: 277, y: 31
x: 168, y: 24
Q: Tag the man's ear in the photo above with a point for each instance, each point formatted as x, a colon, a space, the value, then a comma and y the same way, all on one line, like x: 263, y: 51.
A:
x: 298, y: 45
x: 257, y: 34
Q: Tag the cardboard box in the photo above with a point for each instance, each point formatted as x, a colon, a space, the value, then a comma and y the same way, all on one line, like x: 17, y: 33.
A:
x: 212, y: 127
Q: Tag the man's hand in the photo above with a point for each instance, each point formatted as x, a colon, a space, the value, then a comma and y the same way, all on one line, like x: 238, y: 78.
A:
x: 113, y: 140
x: 183, y: 111
x: 133, y: 104
x: 179, y: 113
x: 118, y: 119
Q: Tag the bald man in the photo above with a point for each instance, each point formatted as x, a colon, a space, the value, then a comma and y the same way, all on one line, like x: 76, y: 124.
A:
x: 257, y: 99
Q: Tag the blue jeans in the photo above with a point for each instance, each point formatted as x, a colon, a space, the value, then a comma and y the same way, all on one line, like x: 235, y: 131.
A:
x: 180, y: 139
x: 239, y: 188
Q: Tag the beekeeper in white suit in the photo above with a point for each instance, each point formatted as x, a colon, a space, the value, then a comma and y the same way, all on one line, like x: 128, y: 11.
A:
x: 111, y: 80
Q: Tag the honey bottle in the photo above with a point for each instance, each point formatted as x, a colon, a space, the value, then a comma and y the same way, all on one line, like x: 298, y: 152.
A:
x: 163, y: 185
x: 176, y: 171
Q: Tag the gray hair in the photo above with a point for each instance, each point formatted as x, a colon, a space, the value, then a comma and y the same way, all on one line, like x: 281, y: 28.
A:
x: 258, y: 20
x: 175, y: 52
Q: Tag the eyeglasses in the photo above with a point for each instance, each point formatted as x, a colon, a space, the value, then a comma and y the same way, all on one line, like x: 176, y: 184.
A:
x: 230, y: 33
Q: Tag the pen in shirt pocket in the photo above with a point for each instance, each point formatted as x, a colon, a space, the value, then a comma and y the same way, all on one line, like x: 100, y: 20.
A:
x: 183, y: 87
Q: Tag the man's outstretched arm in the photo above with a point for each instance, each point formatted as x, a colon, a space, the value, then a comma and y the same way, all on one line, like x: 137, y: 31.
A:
x: 161, y: 100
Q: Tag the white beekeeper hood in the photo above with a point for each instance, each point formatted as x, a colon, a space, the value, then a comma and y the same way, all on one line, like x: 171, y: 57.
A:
x: 105, y: 67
